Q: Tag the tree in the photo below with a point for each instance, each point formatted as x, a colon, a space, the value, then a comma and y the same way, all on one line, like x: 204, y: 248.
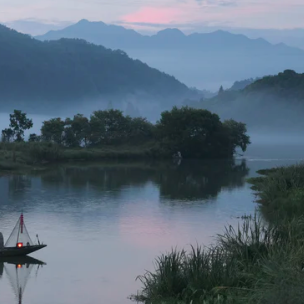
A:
x: 109, y: 127
x: 18, y: 124
x: 7, y: 135
x: 52, y: 130
x: 198, y: 133
x: 221, y: 90
x: 77, y: 131
x: 140, y: 130
x: 34, y: 138
x: 236, y: 132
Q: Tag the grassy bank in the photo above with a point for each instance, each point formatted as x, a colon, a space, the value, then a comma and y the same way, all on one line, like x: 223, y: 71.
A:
x: 260, y: 262
x: 26, y: 155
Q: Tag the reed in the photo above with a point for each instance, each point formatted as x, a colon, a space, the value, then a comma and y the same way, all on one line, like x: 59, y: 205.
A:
x: 259, y: 262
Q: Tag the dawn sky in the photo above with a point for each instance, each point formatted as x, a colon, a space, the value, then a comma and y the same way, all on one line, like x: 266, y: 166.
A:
x: 239, y: 13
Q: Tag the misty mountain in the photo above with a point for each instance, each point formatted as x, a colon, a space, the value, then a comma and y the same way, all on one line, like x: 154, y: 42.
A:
x: 49, y: 76
x: 205, y: 60
x: 242, y: 84
x: 291, y: 37
x: 273, y: 103
x: 35, y: 27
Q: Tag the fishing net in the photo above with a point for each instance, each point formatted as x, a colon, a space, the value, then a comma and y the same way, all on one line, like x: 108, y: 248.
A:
x: 19, y: 235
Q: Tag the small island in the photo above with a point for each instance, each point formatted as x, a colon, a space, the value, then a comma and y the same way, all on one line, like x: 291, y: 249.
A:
x: 109, y: 134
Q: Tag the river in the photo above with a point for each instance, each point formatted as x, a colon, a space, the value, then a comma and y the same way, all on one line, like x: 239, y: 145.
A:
x: 105, y: 223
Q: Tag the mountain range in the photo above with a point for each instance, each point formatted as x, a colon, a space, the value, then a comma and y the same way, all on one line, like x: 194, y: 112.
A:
x: 205, y: 60
x: 72, y: 74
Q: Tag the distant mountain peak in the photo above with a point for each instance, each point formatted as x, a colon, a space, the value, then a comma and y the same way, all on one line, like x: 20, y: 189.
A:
x: 171, y: 32
x: 87, y: 22
x: 83, y: 21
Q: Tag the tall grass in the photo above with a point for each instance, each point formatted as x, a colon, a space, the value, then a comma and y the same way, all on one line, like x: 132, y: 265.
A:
x: 13, y: 155
x: 257, y: 262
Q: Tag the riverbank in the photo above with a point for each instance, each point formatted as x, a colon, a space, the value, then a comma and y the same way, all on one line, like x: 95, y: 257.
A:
x: 25, y: 156
x: 260, y: 262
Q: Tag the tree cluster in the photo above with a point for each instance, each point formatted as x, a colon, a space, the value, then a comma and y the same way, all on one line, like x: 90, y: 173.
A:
x: 288, y: 84
x: 195, y: 133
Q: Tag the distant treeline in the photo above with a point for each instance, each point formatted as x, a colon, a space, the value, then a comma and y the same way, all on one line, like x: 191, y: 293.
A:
x: 272, y: 103
x: 195, y: 133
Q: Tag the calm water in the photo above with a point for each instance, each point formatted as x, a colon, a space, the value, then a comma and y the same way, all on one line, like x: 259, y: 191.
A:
x: 105, y: 223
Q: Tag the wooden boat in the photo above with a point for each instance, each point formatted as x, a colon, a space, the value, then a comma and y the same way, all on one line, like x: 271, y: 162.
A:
x: 19, y: 243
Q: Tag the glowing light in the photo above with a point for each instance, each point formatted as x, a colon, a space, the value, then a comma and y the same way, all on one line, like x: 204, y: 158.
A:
x: 19, y: 245
x: 19, y: 266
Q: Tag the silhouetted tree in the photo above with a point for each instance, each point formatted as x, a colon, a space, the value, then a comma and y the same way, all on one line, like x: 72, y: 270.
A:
x: 198, y: 133
x: 221, y: 90
x: 34, y: 138
x: 52, y: 130
x: 7, y: 135
x: 18, y: 124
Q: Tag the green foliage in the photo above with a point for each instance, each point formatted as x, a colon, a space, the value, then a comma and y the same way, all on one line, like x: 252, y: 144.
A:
x: 7, y: 135
x: 52, y: 130
x: 287, y: 84
x: 18, y: 124
x: 45, y: 152
x: 244, y: 266
x: 256, y: 263
x: 237, y: 134
x: 108, y: 127
x: 77, y: 131
x: 281, y: 191
x: 198, y: 133
x: 34, y: 138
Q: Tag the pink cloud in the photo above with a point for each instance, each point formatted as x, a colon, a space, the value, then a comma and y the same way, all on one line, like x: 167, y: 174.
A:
x: 154, y: 15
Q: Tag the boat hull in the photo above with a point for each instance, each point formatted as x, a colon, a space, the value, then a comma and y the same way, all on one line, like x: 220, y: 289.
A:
x: 14, y: 251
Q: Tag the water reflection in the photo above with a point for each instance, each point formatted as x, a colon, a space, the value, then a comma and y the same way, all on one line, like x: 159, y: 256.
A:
x: 188, y: 181
x: 200, y: 180
x: 18, y: 270
x: 18, y: 184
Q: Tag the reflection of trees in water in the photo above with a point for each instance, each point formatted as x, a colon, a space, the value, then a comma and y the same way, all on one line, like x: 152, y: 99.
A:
x: 18, y: 184
x: 201, y: 180
x: 100, y: 177
x: 191, y: 180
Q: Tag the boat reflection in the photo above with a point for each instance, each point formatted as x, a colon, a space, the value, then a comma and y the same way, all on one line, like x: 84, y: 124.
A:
x: 18, y: 270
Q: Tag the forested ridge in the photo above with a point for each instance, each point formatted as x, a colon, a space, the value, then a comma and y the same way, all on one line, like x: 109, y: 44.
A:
x: 273, y: 102
x: 39, y: 74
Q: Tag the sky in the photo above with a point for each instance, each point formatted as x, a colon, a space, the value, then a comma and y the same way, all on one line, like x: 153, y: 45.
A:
x: 159, y: 13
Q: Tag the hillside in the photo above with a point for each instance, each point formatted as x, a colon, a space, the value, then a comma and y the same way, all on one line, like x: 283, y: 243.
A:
x: 47, y: 76
x: 205, y: 60
x: 273, y: 103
